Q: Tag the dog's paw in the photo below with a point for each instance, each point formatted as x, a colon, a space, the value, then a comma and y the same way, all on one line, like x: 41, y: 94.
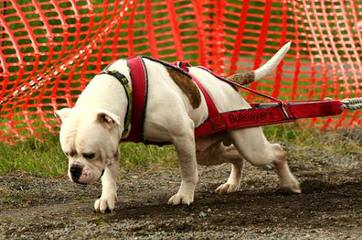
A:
x: 290, y: 187
x: 105, y: 204
x: 180, y: 198
x: 227, y: 188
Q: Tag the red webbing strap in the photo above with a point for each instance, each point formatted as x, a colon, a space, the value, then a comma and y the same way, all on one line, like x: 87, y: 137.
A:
x: 215, y: 121
x: 318, y: 108
x: 259, y: 116
x: 139, y: 81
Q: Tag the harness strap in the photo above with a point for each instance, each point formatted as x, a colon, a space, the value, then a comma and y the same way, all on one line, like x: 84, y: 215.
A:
x: 268, y: 114
x: 238, y: 85
x: 137, y: 99
x: 138, y: 73
x: 215, y: 122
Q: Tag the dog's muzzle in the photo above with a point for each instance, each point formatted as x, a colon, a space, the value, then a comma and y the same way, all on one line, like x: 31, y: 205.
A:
x: 76, y: 172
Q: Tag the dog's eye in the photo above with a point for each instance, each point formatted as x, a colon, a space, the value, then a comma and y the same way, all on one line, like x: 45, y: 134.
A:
x: 88, y: 155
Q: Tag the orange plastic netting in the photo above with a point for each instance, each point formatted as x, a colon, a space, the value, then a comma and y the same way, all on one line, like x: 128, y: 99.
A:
x: 50, y: 49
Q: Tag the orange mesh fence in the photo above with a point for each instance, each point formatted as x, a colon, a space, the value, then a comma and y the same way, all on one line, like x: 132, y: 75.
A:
x: 50, y: 49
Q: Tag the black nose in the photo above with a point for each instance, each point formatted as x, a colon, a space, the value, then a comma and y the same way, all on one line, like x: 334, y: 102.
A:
x: 75, y: 172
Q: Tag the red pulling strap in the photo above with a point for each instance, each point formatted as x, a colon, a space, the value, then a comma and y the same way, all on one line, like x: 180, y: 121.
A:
x: 267, y: 114
x: 139, y: 81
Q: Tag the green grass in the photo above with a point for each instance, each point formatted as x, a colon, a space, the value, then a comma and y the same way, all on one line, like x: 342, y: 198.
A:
x: 311, y: 146
x: 46, y: 159
x: 33, y: 157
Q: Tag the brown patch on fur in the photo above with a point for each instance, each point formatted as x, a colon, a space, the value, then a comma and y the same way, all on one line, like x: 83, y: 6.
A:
x: 186, y: 84
x: 243, y: 78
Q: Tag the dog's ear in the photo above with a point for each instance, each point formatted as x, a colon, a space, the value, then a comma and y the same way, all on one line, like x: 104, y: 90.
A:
x: 108, y: 119
x: 63, y: 113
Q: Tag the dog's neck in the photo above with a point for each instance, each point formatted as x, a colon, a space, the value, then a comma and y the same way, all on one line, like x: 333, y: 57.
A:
x: 105, y: 92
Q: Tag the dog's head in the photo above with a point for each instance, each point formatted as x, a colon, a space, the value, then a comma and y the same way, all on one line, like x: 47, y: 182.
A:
x: 90, y: 140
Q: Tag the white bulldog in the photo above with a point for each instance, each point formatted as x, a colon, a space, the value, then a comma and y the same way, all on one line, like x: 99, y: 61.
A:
x: 91, y: 131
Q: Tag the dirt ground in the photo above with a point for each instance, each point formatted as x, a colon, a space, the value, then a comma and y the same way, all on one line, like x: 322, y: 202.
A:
x: 330, y: 206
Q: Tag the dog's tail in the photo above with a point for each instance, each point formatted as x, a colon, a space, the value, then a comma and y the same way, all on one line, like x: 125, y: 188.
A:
x: 266, y: 69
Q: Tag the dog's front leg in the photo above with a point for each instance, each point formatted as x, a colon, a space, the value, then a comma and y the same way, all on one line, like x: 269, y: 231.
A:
x: 185, y: 148
x: 108, y: 198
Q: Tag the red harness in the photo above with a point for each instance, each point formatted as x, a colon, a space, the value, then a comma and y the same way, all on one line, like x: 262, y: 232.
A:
x: 259, y: 115
x: 139, y: 80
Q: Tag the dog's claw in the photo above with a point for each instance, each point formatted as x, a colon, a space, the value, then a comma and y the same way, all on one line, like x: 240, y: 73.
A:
x: 227, y: 188
x: 104, y: 205
x: 180, y: 199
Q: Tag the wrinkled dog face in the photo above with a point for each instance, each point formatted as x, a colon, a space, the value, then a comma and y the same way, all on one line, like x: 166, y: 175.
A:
x: 90, y: 141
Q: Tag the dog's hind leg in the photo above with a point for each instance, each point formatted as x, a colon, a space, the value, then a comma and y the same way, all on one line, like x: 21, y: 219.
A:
x: 233, y: 182
x: 256, y: 149
x: 218, y: 153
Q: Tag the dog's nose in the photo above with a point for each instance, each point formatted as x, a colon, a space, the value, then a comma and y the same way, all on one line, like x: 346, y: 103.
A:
x: 75, y: 172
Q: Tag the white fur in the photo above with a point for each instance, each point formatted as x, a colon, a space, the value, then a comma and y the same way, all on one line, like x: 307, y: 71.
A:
x: 169, y: 118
